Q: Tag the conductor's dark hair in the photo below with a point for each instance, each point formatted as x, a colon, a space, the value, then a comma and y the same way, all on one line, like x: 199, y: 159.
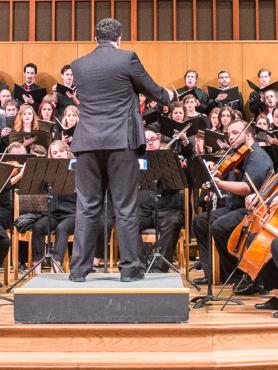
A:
x: 32, y: 65
x: 108, y: 29
x: 65, y: 68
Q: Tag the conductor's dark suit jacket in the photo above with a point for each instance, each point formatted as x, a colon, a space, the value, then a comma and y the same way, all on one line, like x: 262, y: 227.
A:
x: 108, y: 81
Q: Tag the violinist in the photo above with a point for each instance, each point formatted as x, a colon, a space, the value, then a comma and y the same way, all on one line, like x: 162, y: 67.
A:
x: 224, y: 219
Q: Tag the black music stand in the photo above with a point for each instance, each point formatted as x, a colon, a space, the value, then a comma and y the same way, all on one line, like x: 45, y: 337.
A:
x: 163, y: 172
x: 201, y: 301
x: 49, y: 176
x: 5, y: 176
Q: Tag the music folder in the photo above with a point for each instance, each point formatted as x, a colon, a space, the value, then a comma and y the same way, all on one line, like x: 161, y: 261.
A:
x: 37, y: 94
x: 232, y: 93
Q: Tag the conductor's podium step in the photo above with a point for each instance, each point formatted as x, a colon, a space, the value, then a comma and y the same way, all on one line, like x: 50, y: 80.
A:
x: 53, y: 298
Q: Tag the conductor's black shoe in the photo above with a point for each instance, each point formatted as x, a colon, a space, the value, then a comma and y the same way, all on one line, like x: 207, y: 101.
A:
x: 201, y: 281
x: 77, y: 279
x: 129, y: 275
x: 275, y: 315
x: 271, y: 304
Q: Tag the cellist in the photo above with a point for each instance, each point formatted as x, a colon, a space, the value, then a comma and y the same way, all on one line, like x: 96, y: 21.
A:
x: 270, y: 271
x: 224, y: 219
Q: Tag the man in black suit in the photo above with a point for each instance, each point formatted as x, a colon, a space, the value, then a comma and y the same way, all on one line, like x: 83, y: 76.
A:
x: 107, y: 139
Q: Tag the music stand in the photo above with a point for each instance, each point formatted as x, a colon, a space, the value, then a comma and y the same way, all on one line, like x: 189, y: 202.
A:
x: 163, y: 172
x: 49, y: 176
x: 6, y: 171
x: 201, y: 301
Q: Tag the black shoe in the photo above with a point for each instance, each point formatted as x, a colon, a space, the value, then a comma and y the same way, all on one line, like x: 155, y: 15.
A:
x: 251, y: 290
x: 275, y: 315
x: 129, y: 275
x: 77, y: 279
x: 271, y: 304
x: 201, y: 281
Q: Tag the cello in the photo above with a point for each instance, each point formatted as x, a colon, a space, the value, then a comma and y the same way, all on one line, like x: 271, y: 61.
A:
x: 259, y: 253
x: 251, y: 223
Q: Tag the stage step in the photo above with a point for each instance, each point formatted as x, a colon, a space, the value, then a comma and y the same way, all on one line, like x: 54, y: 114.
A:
x: 159, y: 298
x: 262, y: 359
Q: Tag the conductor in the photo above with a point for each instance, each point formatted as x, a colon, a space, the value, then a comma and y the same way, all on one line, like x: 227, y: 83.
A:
x: 107, y: 140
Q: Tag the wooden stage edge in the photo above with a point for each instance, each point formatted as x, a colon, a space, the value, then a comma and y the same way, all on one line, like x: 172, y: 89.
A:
x: 240, y: 337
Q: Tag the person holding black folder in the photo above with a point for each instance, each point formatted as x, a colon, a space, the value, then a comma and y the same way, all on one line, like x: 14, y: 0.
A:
x: 23, y: 96
x: 257, y: 165
x: 256, y: 98
x: 25, y: 122
x: 65, y: 93
x: 225, y: 94
x: 108, y: 138
x: 190, y: 80
x: 65, y: 129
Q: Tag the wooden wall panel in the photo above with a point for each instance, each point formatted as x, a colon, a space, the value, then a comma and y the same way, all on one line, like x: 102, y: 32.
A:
x: 11, y: 63
x: 255, y: 57
x: 49, y: 59
x: 209, y: 58
x: 21, y: 28
x: 166, y: 62
x: 4, y: 23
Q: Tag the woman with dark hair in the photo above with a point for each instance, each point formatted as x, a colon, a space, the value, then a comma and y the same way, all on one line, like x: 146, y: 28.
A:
x: 215, y: 124
x: 46, y: 111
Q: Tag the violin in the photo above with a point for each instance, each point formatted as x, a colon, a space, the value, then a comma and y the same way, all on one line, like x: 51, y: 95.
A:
x: 231, y: 161
x: 259, y: 252
x: 251, y: 223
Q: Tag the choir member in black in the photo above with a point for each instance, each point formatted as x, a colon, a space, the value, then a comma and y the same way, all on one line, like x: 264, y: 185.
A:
x: 46, y: 111
x: 70, y: 119
x: 215, y: 124
x: 30, y: 70
x: 190, y: 80
x: 10, y: 108
x: 62, y: 218
x: 26, y: 122
x: 5, y: 210
x: 273, y: 141
x: 262, y: 122
x: 64, y: 100
x: 257, y: 164
x: 170, y: 213
x: 224, y: 81
x: 271, y: 100
x: 5, y: 95
x: 256, y: 99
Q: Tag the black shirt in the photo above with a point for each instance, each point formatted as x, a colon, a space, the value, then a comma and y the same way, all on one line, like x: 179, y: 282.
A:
x: 257, y: 165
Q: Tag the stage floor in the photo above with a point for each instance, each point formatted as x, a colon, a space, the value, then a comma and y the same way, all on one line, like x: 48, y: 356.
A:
x: 240, y: 337
x: 211, y: 314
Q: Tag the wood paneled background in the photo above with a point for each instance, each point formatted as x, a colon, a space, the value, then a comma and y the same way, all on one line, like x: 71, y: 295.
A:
x: 165, y: 61
x: 143, y: 20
